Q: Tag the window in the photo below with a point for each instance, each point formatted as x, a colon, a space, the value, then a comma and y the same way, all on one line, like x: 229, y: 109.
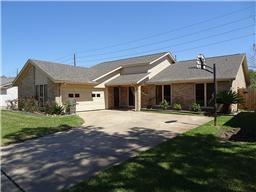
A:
x: 3, y: 91
x: 93, y: 94
x: 210, y: 92
x: 167, y: 93
x: 158, y: 94
x: 45, y: 92
x: 70, y: 95
x: 98, y: 95
x: 41, y: 93
x: 77, y: 95
x: 37, y: 92
x: 200, y: 94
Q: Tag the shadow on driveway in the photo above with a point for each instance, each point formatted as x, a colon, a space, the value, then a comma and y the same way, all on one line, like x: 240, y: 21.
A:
x: 61, y: 160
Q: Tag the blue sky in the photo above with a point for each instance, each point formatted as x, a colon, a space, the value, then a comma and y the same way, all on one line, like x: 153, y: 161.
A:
x: 55, y: 30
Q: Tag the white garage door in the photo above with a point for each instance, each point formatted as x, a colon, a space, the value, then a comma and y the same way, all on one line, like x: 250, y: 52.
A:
x: 98, y: 102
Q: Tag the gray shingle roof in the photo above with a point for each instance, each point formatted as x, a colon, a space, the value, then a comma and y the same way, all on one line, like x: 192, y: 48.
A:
x: 127, y: 79
x: 6, y: 80
x: 65, y: 73
x: 226, y: 68
x: 69, y: 73
x: 105, y: 67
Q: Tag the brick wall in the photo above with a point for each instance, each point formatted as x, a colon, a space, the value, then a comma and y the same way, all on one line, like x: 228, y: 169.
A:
x: 223, y: 85
x: 26, y: 87
x: 184, y: 94
x: 147, y: 95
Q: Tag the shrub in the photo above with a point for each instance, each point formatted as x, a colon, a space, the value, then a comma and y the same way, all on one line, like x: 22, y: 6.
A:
x: 12, y: 104
x: 53, y: 108
x: 164, y: 104
x: 58, y: 109
x: 48, y: 107
x: 195, y: 107
x: 67, y: 106
x: 28, y: 104
x: 177, y: 106
x: 227, y: 98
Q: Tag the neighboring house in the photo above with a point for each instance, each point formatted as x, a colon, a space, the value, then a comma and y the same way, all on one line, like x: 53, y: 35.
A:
x: 7, y: 92
x: 136, y: 82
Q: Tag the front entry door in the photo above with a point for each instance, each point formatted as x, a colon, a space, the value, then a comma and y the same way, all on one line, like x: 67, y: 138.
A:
x: 116, y: 97
x: 131, y: 96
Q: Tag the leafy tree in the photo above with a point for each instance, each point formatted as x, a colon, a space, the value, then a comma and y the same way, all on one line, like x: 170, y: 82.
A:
x: 252, y: 74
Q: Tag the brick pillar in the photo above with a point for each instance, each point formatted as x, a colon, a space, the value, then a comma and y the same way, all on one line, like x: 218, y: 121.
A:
x: 138, y: 98
x: 106, y: 98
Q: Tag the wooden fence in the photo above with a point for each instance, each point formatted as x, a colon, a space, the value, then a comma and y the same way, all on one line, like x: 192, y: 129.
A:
x: 249, y: 96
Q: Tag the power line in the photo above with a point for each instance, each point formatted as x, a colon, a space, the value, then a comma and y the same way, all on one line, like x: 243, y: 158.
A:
x: 205, y: 45
x: 166, y: 40
x: 163, y: 33
x: 191, y: 41
x: 215, y: 43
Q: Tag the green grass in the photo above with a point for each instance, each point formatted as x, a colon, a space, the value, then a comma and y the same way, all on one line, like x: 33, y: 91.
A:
x: 195, y: 161
x: 20, y: 126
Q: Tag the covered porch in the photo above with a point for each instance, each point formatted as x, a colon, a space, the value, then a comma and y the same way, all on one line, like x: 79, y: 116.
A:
x: 124, y: 97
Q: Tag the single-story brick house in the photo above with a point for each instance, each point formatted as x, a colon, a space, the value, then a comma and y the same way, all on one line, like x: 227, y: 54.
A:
x: 136, y: 82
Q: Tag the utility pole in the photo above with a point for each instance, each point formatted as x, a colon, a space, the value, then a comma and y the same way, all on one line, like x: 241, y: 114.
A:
x: 74, y: 60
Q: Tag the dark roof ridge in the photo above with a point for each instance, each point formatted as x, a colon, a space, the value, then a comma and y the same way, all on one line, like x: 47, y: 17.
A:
x: 164, y: 52
x: 51, y: 62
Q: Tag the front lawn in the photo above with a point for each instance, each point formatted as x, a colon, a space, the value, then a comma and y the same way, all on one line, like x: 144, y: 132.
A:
x: 195, y: 161
x: 19, y: 126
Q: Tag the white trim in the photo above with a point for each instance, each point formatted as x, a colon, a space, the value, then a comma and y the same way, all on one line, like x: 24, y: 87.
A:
x: 142, y: 79
x: 161, y: 58
x: 107, y: 73
x: 103, y: 84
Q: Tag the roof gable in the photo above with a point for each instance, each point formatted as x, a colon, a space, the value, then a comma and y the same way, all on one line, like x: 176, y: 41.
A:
x: 105, y: 67
x: 58, y: 72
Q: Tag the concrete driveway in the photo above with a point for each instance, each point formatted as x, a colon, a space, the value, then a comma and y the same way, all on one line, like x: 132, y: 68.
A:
x: 60, y: 160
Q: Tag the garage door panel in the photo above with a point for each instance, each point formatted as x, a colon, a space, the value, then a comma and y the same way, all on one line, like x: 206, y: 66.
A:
x: 96, y: 103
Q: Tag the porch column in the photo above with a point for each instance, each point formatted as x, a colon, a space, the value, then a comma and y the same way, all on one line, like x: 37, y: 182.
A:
x: 106, y: 98
x: 138, y: 98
